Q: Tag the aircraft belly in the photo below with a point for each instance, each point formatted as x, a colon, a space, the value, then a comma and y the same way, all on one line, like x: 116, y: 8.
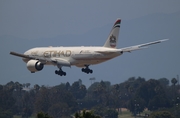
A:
x: 80, y: 62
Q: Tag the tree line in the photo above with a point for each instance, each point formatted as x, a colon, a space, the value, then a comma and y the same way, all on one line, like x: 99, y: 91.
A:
x: 101, y: 98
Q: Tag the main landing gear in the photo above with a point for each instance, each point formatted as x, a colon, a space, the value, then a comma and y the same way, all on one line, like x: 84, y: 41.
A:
x: 60, y: 72
x: 87, y: 70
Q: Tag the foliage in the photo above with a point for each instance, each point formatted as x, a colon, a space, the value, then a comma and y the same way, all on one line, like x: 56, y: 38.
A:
x: 161, y: 114
x: 105, y: 112
x: 136, y: 105
x: 174, y: 81
x: 153, y: 94
x: 164, y: 82
x: 104, y: 99
x: 86, y: 114
x: 6, y: 114
x: 78, y: 90
x: 42, y: 115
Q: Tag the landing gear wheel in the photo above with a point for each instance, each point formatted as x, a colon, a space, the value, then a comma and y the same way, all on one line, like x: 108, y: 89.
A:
x: 60, y: 72
x: 83, y: 70
x: 87, y: 70
x: 91, y: 71
x: 56, y: 72
x: 64, y: 73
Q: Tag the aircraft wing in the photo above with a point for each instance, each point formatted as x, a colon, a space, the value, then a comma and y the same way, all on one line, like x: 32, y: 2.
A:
x: 28, y: 56
x: 54, y: 61
x: 141, y: 46
x: 20, y: 55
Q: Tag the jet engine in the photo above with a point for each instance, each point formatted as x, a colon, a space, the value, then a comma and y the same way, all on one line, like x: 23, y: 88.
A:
x: 34, y: 66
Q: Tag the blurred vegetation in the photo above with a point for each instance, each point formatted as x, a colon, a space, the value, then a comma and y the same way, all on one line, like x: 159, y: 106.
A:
x: 101, y: 99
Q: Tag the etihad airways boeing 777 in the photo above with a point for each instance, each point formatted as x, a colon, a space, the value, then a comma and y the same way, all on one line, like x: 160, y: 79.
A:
x: 82, y: 56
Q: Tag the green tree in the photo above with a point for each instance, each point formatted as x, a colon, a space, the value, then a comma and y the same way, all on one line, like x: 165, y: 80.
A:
x: 158, y: 101
x: 42, y: 100
x: 7, y: 100
x: 164, y: 82
x: 59, y: 110
x: 101, y: 91
x: 5, y: 113
x: 78, y: 90
x: 42, y: 115
x: 116, y: 96
x: 86, y: 114
x: 136, y: 105
x: 36, y: 87
x: 153, y: 93
x: 174, y: 81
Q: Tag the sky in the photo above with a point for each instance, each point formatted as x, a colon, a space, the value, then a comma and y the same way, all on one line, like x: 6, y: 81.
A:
x: 36, y: 22
x: 44, y: 18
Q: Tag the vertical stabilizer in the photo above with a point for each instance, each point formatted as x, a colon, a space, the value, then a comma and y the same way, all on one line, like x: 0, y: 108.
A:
x: 112, y: 39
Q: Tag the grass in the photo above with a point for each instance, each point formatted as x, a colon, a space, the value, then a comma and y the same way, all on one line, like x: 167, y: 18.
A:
x: 15, y: 116
x: 125, y: 114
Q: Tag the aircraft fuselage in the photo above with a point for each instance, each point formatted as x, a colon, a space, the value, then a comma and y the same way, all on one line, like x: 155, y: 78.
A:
x: 78, y: 56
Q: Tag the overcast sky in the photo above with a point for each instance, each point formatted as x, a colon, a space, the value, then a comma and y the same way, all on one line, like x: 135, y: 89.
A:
x: 48, y: 18
x: 45, y: 19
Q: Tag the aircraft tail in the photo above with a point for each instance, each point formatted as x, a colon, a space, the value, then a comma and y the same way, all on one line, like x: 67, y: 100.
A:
x: 112, y: 39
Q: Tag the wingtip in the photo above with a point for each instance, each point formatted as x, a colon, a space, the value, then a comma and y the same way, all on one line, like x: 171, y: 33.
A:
x: 11, y: 53
x: 164, y: 40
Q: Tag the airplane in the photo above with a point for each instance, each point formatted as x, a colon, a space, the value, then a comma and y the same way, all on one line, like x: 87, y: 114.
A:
x: 82, y: 56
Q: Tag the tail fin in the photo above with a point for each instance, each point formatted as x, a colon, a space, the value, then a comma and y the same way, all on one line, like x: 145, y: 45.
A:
x: 112, y: 39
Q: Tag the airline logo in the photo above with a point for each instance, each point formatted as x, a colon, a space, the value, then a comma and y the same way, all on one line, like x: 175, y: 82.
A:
x: 112, y: 41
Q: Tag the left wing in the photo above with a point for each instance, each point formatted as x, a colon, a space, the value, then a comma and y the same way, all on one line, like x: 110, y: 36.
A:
x: 56, y: 61
x: 141, y: 46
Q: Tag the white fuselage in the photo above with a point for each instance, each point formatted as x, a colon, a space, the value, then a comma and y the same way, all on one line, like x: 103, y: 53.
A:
x: 78, y: 56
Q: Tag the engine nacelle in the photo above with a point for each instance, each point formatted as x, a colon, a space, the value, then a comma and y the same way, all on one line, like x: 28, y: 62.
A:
x: 34, y: 66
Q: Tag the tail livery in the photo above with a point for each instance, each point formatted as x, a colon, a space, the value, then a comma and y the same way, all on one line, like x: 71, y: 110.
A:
x: 112, y: 39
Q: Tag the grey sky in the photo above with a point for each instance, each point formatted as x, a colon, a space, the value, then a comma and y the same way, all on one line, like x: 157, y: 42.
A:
x: 27, y: 24
x: 45, y: 19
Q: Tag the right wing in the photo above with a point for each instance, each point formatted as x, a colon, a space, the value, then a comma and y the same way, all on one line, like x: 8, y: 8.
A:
x: 21, y: 55
x: 141, y: 46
